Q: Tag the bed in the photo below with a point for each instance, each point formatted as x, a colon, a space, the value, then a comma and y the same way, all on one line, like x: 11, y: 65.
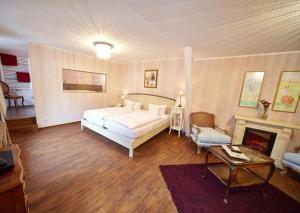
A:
x: 127, y: 127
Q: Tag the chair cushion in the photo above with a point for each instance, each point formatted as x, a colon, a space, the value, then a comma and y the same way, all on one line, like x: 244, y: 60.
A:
x: 12, y: 96
x: 210, y: 135
x: 292, y: 157
x: 291, y: 165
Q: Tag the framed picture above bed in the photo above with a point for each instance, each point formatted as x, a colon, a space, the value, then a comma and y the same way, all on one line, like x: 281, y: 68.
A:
x: 251, y: 89
x: 83, y: 81
x: 150, y: 78
x: 288, y: 92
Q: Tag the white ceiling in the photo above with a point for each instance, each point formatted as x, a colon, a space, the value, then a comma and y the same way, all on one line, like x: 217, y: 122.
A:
x: 153, y: 29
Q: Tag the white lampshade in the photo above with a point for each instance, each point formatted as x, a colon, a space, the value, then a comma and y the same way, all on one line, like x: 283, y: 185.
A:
x: 181, y: 93
x: 103, y: 49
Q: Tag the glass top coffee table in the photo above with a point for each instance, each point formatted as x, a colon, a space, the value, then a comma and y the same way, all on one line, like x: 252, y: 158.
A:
x: 234, y: 172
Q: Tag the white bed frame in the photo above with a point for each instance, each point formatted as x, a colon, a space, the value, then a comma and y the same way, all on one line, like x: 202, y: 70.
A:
x: 127, y: 142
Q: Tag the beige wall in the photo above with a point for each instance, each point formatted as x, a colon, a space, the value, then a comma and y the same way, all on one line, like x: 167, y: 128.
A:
x: 217, y: 83
x: 170, y: 77
x: 53, y: 106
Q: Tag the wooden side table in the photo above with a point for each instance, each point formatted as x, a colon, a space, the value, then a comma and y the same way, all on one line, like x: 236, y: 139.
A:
x: 176, y: 121
x: 12, y: 185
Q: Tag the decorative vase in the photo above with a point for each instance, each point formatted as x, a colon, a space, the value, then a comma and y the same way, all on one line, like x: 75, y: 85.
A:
x: 265, y: 109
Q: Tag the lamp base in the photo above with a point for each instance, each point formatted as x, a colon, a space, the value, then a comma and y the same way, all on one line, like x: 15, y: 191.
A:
x: 179, y: 105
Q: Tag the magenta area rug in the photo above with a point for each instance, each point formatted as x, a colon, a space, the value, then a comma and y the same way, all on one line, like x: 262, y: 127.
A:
x: 191, y: 193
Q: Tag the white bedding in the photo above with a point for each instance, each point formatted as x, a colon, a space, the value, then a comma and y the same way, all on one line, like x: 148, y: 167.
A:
x: 123, y: 121
x: 96, y: 116
x: 137, y: 132
x: 133, y: 120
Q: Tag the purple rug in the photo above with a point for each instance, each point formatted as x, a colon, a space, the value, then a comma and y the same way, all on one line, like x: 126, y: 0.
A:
x: 191, y: 193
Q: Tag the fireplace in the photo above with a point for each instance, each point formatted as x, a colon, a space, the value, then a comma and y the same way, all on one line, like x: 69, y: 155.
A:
x: 262, y: 141
x: 280, y: 130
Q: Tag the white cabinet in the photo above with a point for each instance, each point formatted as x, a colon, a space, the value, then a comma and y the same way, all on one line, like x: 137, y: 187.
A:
x: 176, y: 121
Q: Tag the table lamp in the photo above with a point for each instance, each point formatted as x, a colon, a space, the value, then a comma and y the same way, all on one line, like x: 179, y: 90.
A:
x: 181, y: 93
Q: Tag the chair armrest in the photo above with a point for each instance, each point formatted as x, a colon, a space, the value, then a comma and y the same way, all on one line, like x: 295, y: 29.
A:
x: 224, y: 131
x: 197, y: 128
x: 297, y: 149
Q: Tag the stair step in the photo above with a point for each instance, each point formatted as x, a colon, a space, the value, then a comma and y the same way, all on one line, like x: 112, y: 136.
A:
x: 20, y: 123
x: 24, y: 130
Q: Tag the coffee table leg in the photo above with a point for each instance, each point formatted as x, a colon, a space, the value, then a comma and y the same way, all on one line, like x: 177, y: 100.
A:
x: 231, y: 172
x: 271, y: 172
x: 206, y: 164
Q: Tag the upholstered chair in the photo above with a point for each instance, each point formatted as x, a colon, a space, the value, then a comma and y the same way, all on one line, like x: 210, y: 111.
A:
x: 292, y: 160
x: 9, y: 96
x: 204, y: 131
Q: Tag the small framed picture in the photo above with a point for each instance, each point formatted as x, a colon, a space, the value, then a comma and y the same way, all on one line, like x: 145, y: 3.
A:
x: 251, y: 89
x: 150, y: 78
x: 288, y: 92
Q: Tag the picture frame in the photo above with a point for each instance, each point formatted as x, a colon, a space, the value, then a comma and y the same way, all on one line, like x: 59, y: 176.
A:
x: 251, y: 89
x: 287, y: 94
x: 150, y: 78
x: 83, y: 81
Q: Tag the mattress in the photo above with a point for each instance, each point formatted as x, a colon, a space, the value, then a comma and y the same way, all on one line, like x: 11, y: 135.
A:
x: 137, y: 132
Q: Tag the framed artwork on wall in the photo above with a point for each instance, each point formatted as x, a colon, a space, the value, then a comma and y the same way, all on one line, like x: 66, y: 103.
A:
x: 251, y: 89
x: 288, y: 92
x: 150, y: 78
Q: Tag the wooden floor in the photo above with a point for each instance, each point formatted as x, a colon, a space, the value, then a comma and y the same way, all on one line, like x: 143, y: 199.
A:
x: 72, y: 171
x: 21, y: 112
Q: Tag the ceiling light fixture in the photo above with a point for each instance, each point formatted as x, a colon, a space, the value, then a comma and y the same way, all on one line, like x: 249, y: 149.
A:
x: 103, y: 49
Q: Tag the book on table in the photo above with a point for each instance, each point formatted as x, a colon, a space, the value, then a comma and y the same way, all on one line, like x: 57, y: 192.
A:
x: 235, y: 152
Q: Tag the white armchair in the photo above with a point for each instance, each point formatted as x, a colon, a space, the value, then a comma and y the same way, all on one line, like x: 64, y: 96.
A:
x: 292, y: 160
x: 205, y: 133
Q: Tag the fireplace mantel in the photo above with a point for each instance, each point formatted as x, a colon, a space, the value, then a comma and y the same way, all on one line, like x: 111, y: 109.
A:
x: 268, y: 122
x: 281, y: 128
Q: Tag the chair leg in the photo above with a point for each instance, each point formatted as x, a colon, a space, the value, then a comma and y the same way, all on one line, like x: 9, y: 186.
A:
x: 9, y: 103
x: 23, y: 102
x: 16, y: 103
x: 284, y: 171
x: 198, y: 149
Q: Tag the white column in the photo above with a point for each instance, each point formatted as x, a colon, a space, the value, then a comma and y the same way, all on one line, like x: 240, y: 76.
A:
x: 188, y: 62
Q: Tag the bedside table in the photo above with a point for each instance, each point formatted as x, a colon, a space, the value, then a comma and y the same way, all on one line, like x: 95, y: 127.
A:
x: 176, y: 121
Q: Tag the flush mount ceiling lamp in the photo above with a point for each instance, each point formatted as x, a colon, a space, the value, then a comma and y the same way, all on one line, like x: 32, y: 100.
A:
x: 103, y: 49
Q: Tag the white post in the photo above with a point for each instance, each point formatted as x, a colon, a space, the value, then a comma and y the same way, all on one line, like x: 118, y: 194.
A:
x: 188, y: 62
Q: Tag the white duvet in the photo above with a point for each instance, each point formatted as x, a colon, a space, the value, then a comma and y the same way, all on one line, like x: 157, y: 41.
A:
x: 97, y: 115
x: 133, y: 120
x: 137, y: 132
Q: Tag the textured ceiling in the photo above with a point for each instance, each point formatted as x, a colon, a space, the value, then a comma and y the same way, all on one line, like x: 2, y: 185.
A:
x: 153, y: 29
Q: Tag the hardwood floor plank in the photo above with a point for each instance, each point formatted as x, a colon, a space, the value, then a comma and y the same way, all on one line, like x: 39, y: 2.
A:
x: 72, y: 171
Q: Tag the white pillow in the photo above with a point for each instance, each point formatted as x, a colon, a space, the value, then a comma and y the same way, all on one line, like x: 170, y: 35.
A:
x: 154, y: 109
x: 137, y: 106
x: 129, y: 104
x: 163, y: 109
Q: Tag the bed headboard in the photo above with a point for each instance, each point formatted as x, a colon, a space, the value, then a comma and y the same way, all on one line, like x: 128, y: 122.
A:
x: 147, y: 99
